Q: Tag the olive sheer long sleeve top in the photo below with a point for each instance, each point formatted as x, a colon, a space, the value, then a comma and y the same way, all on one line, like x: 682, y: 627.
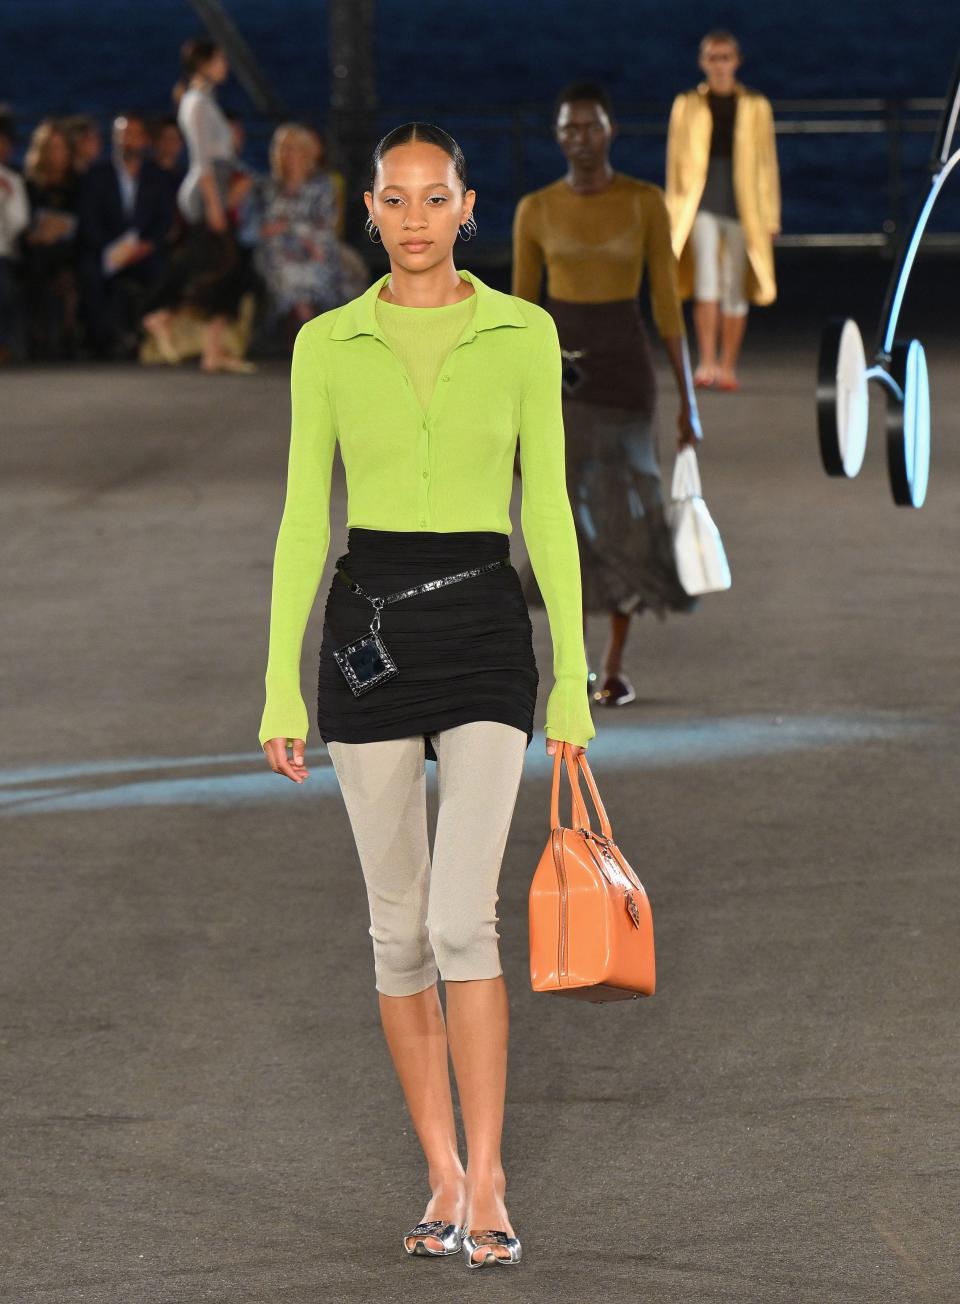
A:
x: 595, y: 247
x: 445, y: 468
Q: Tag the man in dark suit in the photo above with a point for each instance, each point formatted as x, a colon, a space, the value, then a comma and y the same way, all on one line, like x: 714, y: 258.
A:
x: 126, y: 213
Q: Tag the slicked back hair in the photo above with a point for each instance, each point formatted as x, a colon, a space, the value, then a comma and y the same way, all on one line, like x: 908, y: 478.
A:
x: 430, y: 135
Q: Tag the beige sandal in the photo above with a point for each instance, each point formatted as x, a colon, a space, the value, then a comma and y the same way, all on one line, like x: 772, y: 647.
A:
x: 229, y: 363
x: 161, y: 339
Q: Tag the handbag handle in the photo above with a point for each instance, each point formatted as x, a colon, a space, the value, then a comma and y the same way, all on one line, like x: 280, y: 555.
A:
x: 579, y: 818
x: 686, y: 476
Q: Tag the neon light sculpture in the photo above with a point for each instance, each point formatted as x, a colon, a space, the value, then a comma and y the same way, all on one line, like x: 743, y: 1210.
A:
x: 899, y: 366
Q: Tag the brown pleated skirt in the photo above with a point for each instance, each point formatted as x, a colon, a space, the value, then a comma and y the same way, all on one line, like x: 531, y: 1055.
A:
x: 613, y: 468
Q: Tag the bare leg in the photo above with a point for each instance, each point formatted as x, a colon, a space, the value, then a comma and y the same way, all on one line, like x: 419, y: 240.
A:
x: 216, y: 356
x: 613, y: 658
x: 158, y: 324
x: 733, y: 329
x: 478, y: 1026
x: 616, y: 689
x: 416, y: 1035
x: 213, y: 350
x: 706, y: 318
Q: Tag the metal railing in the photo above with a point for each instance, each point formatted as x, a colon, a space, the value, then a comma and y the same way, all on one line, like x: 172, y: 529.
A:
x: 869, y: 155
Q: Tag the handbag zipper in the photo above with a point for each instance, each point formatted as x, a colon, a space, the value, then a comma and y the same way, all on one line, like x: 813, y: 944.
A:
x: 603, y: 853
x: 562, y: 886
x: 605, y: 844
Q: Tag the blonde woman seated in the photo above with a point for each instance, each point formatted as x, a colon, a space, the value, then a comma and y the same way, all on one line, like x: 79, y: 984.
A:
x: 293, y: 217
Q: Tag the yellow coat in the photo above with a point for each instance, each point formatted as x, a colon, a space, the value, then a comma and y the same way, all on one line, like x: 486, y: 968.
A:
x: 756, y: 182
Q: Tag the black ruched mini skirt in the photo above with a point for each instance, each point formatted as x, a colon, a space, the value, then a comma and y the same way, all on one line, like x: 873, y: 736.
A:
x: 463, y: 652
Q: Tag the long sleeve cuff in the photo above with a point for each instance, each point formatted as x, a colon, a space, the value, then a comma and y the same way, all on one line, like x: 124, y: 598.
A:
x: 284, y: 716
x: 568, y: 711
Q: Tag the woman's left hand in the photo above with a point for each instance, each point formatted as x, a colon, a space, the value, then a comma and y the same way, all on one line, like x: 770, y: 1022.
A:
x: 553, y: 744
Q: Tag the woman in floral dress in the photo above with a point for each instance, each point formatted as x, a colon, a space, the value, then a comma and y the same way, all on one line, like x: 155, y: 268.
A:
x: 293, y: 215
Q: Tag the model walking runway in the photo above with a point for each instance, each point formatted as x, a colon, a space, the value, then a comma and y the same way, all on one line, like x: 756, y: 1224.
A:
x: 595, y: 232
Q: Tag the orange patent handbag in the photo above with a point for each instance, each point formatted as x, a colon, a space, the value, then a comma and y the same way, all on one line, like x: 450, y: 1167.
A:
x: 591, y: 927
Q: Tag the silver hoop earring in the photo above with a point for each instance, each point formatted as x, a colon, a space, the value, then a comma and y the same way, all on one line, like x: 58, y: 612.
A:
x: 468, y: 229
x: 372, y: 230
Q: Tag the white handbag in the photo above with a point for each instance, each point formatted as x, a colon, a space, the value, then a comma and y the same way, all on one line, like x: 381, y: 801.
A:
x: 701, y: 560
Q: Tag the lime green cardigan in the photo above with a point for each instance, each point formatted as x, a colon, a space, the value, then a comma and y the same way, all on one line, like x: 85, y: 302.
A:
x: 446, y: 469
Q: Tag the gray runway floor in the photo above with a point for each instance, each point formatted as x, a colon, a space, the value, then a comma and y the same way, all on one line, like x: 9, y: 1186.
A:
x: 197, y: 1103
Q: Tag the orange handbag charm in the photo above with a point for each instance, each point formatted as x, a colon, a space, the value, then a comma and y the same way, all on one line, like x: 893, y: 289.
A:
x: 591, y: 927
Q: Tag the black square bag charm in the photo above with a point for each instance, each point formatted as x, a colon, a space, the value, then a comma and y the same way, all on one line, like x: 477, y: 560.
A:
x: 365, y: 662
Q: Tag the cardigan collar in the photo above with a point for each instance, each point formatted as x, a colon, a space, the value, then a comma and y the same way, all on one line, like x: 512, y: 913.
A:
x: 494, y: 308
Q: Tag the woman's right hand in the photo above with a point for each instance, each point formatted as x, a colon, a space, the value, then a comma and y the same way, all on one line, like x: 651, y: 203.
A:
x: 278, y: 760
x: 217, y: 220
x: 689, y: 432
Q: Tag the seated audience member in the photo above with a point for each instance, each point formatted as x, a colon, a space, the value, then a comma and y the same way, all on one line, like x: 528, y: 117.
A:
x: 166, y: 145
x: 14, y: 217
x: 126, y: 214
x: 85, y: 140
x: 167, y: 154
x: 293, y: 216
x: 49, y: 244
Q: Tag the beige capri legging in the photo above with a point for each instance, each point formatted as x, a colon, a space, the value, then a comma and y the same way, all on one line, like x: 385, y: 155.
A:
x: 430, y: 917
x: 720, y: 262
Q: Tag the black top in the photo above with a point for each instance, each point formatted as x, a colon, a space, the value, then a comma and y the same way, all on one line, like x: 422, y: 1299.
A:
x: 718, y: 195
x: 59, y: 195
x: 48, y: 260
x: 724, y: 110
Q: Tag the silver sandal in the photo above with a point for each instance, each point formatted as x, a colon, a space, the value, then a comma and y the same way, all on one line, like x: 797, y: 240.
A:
x: 487, y: 1240
x: 448, y: 1234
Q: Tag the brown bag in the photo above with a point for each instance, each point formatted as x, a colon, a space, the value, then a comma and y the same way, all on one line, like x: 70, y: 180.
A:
x: 591, y: 927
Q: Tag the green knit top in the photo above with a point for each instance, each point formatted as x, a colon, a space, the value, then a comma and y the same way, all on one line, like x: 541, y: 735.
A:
x: 428, y: 422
